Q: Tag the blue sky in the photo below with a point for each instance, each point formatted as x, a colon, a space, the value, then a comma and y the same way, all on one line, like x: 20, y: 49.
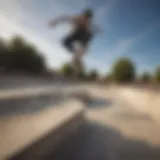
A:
x: 131, y: 28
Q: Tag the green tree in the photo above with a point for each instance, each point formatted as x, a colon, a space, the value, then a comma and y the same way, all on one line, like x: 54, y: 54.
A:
x: 3, y: 53
x: 145, y: 78
x: 24, y: 57
x: 108, y: 78
x: 93, y: 75
x: 67, y: 69
x: 123, y: 70
x: 157, y: 75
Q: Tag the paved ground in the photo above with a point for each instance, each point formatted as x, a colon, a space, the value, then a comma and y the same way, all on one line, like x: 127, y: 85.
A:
x: 113, y: 131
x: 19, y: 132
x: 19, y: 101
x: 30, y: 104
x: 13, y: 82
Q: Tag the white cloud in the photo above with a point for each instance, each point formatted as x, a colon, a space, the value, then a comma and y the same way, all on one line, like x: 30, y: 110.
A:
x: 10, y: 25
x: 125, y: 45
x: 124, y: 48
x: 54, y: 53
x: 104, y: 12
x: 29, y: 19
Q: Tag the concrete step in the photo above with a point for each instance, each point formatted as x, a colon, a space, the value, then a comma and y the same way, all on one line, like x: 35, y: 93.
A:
x: 30, y: 136
x: 37, y: 118
x: 24, y: 101
x: 29, y: 100
x: 26, y: 92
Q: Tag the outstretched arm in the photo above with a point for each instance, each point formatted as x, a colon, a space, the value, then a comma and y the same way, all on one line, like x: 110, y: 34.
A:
x: 55, y: 22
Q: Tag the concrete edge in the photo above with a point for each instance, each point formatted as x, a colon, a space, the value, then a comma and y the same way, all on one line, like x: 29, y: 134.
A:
x: 26, y: 92
x: 53, y: 139
x: 32, y: 92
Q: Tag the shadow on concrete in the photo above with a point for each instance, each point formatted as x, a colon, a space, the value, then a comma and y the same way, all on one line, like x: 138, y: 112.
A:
x: 32, y: 104
x: 91, y: 101
x: 97, y: 103
x: 7, y: 83
x: 29, y: 104
x: 15, y: 82
x: 97, y: 142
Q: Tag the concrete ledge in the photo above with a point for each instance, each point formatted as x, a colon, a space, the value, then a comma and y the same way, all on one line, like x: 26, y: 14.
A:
x: 25, y: 92
x: 35, y: 92
x: 30, y: 100
x: 30, y: 136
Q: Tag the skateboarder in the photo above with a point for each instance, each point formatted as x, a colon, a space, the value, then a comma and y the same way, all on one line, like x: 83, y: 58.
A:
x: 83, y: 31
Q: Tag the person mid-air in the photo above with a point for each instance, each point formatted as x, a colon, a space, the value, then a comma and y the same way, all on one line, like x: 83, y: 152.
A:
x: 82, y: 32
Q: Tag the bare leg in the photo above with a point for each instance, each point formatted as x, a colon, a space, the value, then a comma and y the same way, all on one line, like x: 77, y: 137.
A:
x: 77, y: 60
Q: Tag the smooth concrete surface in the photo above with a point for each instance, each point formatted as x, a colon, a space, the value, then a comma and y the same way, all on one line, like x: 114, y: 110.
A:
x: 25, y: 92
x: 30, y: 100
x: 145, y: 100
x: 19, y: 132
x: 36, y: 91
x: 14, y: 82
x: 118, y: 127
x: 114, y: 130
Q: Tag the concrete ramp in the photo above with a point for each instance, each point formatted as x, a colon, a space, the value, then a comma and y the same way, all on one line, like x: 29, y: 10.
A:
x: 30, y: 100
x: 31, y: 134
x: 143, y: 100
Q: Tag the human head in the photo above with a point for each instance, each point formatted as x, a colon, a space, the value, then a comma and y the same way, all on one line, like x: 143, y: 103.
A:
x: 88, y: 13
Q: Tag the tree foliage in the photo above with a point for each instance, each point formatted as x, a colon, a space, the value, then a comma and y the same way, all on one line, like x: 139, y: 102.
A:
x: 21, y: 56
x: 157, y: 75
x: 18, y: 55
x: 93, y: 75
x: 123, y: 70
x: 108, y: 78
x: 67, y: 69
x: 145, y: 78
x: 3, y: 51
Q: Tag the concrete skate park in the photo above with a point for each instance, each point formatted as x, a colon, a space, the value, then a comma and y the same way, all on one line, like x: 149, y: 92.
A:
x: 55, y: 120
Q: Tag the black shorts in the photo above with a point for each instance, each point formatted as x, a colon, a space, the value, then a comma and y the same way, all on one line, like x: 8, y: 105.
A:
x: 82, y: 37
